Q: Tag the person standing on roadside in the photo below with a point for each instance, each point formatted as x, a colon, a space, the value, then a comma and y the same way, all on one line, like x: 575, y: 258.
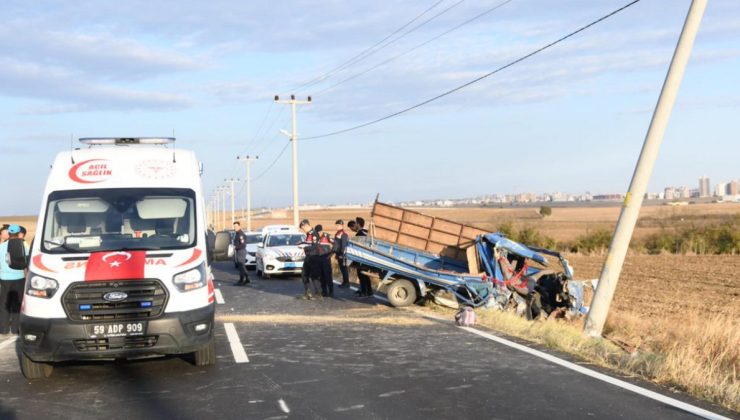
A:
x: 240, y: 248
x: 324, y: 263
x: 361, y: 231
x: 311, y: 262
x: 341, y: 239
x: 366, y: 288
x: 4, y: 235
x: 12, y: 282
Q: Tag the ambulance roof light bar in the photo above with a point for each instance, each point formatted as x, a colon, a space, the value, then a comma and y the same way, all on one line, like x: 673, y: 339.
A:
x: 120, y: 141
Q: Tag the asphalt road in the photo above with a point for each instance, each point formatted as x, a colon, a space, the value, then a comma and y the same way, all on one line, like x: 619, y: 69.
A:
x: 336, y: 358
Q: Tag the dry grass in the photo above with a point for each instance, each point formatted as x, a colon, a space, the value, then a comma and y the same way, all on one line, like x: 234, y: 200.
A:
x: 700, y: 355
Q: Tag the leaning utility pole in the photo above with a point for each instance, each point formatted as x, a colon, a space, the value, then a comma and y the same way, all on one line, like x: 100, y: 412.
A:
x: 633, y: 201
x: 294, y: 139
x: 248, y: 161
x: 232, y: 181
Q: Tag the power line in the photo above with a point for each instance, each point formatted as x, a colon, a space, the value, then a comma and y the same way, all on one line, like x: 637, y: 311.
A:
x: 382, y: 63
x: 263, y: 173
x: 352, y: 60
x: 476, y: 80
x: 259, y: 128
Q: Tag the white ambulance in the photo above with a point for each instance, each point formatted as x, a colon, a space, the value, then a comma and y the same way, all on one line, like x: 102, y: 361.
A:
x: 118, y: 266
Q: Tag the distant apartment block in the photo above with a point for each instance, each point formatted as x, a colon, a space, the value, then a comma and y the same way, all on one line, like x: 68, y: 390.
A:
x: 704, y: 190
x: 720, y: 189
x: 733, y: 187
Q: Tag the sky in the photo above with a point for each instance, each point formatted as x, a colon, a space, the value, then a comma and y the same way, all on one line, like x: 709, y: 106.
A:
x: 570, y: 119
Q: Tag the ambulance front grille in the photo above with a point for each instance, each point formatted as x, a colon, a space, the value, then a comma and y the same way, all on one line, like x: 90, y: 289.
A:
x: 85, y: 301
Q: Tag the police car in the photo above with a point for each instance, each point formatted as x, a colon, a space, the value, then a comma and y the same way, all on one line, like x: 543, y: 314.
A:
x: 279, y: 252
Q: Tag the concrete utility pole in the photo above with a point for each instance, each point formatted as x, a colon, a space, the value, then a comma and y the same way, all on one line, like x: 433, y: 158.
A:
x: 294, y: 139
x: 216, y: 214
x: 248, y: 161
x: 222, y: 196
x: 232, y: 181
x: 633, y: 201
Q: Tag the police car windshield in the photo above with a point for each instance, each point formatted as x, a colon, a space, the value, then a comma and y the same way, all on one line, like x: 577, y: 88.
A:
x: 286, y: 239
x: 254, y: 238
x: 82, y: 221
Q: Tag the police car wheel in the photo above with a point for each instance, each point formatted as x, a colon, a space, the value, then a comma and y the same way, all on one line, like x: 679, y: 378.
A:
x: 35, y: 370
x: 205, y: 356
x: 401, y: 293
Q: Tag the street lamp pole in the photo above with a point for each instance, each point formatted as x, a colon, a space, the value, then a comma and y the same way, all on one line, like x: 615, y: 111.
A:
x: 294, y: 140
x: 248, y: 161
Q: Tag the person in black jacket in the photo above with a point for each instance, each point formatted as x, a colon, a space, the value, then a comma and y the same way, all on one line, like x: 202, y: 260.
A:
x: 366, y: 288
x: 341, y: 239
x: 325, y: 248
x: 240, y: 248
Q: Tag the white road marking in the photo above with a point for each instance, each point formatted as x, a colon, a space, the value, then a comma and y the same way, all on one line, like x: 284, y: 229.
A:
x: 600, y: 376
x: 8, y: 342
x: 240, y: 356
x: 219, y: 297
x: 283, y: 406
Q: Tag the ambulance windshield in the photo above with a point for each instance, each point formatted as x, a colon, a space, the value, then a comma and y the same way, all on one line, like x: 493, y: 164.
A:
x: 81, y: 221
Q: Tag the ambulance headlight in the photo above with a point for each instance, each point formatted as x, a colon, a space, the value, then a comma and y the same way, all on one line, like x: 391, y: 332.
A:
x: 191, y: 279
x: 42, y: 287
x: 270, y: 257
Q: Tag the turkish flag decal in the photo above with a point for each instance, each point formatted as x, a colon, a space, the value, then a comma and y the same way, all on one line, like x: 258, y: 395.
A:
x: 116, y: 265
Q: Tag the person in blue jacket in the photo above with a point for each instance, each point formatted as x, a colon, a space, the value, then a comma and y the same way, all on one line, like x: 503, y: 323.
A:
x: 12, y: 283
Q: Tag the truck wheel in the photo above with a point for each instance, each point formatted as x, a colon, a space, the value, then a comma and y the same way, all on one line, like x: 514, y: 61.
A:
x: 206, y: 356
x: 401, y: 293
x: 35, y: 370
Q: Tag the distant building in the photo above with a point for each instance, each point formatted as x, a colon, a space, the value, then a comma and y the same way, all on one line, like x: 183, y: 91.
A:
x: 720, y: 189
x: 704, y: 190
x: 608, y: 197
x: 670, y: 193
x: 695, y: 193
x: 684, y: 192
x: 733, y: 187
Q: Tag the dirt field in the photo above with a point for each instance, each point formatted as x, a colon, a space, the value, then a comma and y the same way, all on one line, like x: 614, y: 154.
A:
x: 565, y: 224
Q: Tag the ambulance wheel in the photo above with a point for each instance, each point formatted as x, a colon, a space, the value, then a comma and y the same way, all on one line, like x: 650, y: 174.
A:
x: 35, y: 370
x: 206, y: 356
x: 401, y: 293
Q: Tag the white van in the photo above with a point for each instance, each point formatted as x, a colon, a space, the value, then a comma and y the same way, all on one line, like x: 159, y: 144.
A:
x: 118, y: 267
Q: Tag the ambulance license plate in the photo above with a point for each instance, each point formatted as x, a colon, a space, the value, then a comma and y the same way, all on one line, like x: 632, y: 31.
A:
x: 290, y: 265
x: 118, y: 329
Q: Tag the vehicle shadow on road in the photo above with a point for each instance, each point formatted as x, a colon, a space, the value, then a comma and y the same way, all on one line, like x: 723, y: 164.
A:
x: 287, y: 286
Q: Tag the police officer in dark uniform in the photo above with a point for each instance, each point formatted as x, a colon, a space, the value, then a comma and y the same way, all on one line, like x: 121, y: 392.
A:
x: 341, y: 240
x: 324, y: 262
x: 366, y: 288
x: 310, y: 271
x: 240, y: 247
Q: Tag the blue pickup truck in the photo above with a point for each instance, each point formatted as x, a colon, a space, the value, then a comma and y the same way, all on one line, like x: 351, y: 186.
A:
x: 506, y: 274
